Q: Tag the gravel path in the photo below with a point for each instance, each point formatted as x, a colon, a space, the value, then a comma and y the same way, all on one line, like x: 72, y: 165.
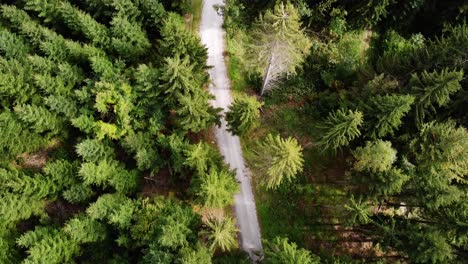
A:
x: 213, y: 36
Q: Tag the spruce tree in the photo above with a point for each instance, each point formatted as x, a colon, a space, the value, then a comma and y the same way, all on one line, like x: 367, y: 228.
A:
x: 386, y: 114
x: 217, y: 188
x: 221, y: 233
x: 279, y: 160
x: 280, y: 250
x: 377, y: 156
x: 243, y: 115
x: 339, y: 129
x: 280, y: 45
x: 434, y: 89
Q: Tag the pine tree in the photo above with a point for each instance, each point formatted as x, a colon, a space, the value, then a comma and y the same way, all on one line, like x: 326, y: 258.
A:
x: 143, y: 146
x: 98, y: 173
x: 435, y: 88
x: 217, y: 188
x: 279, y: 160
x: 36, y: 186
x: 339, y: 129
x: 14, y: 208
x: 221, y: 234
x: 178, y: 78
x: 280, y: 45
x: 281, y: 251
x: 386, y: 113
x: 115, y: 208
x: 243, y: 115
x: 376, y: 156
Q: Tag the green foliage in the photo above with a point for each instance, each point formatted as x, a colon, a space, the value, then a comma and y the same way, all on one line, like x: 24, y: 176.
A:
x: 339, y: 129
x: 85, y: 230
x: 14, y: 207
x: 279, y: 44
x: 221, y: 234
x: 217, y: 188
x: 359, y: 210
x: 39, y: 118
x: 199, y: 255
x: 281, y: 251
x: 128, y: 38
x: 17, y: 138
x: 377, y: 156
x: 80, y: 21
x: 53, y: 247
x: 279, y: 160
x: 201, y: 157
x: 177, y: 40
x: 92, y: 150
x: 434, y: 88
x: 243, y: 115
x: 386, y: 113
x: 441, y: 159
x: 142, y: 144
x: 78, y: 193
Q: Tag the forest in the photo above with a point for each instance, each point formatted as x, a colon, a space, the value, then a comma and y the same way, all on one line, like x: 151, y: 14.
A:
x: 351, y: 115
x: 358, y: 147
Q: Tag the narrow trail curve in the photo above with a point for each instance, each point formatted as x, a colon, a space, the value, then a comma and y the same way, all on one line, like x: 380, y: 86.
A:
x: 213, y: 36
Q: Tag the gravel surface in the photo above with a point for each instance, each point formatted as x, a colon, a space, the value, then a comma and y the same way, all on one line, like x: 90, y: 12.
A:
x: 213, y: 36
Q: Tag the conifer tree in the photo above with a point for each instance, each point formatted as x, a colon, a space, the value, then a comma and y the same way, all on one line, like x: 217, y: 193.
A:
x: 280, y: 251
x: 144, y: 149
x: 177, y: 40
x: 217, y: 188
x: 78, y: 193
x: 201, y: 157
x: 195, y: 112
x: 441, y: 163
x: 279, y: 160
x: 221, y: 233
x: 16, y: 138
x: 243, y: 115
x: 435, y: 88
x: 280, y: 45
x: 12, y: 45
x: 377, y: 156
x: 84, y: 23
x: 62, y: 105
x: 386, y: 113
x: 359, y: 211
x: 92, y: 150
x: 339, y: 129
x: 39, y: 118
x: 128, y: 38
x: 83, y: 229
x: 54, y: 248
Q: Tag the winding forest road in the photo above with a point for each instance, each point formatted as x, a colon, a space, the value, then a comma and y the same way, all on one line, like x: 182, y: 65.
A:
x: 213, y: 36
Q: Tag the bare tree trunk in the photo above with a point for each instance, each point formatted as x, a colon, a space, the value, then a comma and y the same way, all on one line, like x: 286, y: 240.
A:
x: 267, y: 75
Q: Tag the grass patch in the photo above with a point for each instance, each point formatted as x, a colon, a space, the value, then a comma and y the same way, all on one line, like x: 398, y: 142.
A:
x: 196, y: 7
